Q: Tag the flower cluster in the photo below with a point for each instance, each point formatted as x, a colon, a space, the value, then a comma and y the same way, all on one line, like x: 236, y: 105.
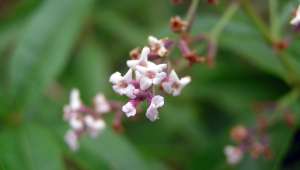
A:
x: 144, y: 76
x: 83, y: 119
x: 253, y: 141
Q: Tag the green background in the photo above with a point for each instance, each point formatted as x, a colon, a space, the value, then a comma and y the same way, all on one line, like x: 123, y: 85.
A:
x: 47, y: 47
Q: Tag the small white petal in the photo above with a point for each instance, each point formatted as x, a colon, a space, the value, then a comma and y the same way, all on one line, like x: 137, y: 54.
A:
x: 173, y: 76
x: 185, y: 80
x: 128, y: 76
x: 145, y: 83
x: 144, y: 54
x: 142, y: 70
x: 76, y: 123
x: 159, y: 77
x: 129, y: 91
x: 296, y: 20
x: 138, y: 75
x: 152, y: 113
x: 115, y: 78
x: 129, y: 109
x: 75, y: 102
x: 132, y: 63
x: 95, y: 124
x: 157, y: 101
x: 152, y: 40
x: 162, y: 66
x: 101, y: 104
x: 233, y: 154
x: 71, y: 139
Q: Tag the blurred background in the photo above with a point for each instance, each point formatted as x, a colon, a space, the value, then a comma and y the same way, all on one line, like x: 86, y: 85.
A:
x: 48, y: 47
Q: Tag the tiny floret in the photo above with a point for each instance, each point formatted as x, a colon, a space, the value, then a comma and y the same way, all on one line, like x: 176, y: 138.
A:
x: 71, y: 139
x: 233, y: 154
x: 129, y: 109
x: 122, y: 84
x: 152, y: 111
x: 101, y: 104
x: 173, y: 85
x: 157, y: 46
x: 296, y: 20
x: 150, y: 76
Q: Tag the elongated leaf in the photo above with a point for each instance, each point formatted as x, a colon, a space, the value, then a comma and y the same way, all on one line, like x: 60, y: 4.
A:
x: 115, y: 150
x: 44, y: 47
x: 29, y: 148
x: 90, y: 70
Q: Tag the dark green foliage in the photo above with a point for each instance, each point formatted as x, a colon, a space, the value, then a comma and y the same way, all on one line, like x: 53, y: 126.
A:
x: 48, y: 47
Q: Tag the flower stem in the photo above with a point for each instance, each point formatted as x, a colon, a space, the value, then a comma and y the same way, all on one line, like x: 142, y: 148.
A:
x: 259, y: 23
x: 191, y: 14
x: 273, y: 7
x: 215, y: 33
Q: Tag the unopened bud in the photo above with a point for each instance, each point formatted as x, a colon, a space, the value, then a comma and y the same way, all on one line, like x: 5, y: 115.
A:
x: 135, y: 53
x: 239, y: 133
x: 178, y: 25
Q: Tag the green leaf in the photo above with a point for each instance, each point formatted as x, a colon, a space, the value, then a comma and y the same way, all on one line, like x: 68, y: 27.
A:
x: 120, y: 27
x: 46, y: 43
x: 89, y: 70
x: 29, y: 148
x: 115, y: 150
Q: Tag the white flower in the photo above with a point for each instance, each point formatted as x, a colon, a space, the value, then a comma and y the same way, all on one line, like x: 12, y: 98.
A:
x: 71, y: 110
x: 121, y: 84
x: 233, y: 154
x: 152, y: 111
x: 149, y: 76
x: 71, y: 139
x: 76, y: 123
x: 296, y: 20
x: 95, y: 126
x: 157, y: 46
x: 101, y: 104
x: 129, y: 109
x: 174, y: 85
x: 142, y: 60
x: 75, y: 101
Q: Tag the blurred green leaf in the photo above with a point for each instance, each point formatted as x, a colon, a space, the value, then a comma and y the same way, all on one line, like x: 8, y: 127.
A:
x: 44, y: 47
x: 29, y: 148
x: 120, y: 27
x: 89, y: 70
x: 116, y: 151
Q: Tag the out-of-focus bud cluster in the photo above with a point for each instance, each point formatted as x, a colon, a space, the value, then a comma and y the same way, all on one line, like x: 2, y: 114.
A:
x: 83, y: 119
x: 252, y: 141
x: 146, y: 74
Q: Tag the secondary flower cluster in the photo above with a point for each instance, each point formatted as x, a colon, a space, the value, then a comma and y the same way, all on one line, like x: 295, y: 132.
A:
x: 248, y: 140
x: 145, y: 76
x: 83, y: 119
